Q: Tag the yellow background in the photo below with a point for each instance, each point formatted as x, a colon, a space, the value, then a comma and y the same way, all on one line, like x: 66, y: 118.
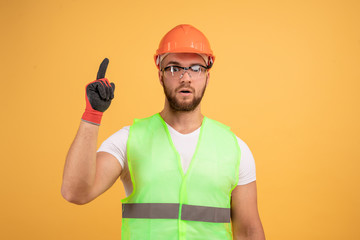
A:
x: 286, y: 79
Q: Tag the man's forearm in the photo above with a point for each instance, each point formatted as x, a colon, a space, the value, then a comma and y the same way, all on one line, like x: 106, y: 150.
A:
x: 80, y: 165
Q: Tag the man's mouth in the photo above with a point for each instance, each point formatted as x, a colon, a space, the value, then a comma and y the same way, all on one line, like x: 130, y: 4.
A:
x: 185, y: 90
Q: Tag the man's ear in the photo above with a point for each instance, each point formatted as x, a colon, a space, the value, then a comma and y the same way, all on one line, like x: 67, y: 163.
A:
x: 207, y: 78
x: 160, y: 78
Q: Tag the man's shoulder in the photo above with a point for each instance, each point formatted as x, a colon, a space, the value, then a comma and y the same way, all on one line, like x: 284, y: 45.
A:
x: 217, y: 123
x: 145, y: 119
x: 123, y: 132
x: 241, y: 143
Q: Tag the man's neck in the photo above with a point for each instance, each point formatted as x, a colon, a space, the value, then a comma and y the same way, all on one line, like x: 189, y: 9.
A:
x: 183, y: 121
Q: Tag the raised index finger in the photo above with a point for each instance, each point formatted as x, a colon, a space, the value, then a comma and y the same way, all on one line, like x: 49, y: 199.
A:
x: 102, y: 69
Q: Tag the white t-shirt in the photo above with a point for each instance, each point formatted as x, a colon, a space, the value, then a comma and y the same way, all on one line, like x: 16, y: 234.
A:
x: 185, y: 144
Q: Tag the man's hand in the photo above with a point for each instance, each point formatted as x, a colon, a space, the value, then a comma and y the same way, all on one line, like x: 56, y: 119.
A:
x: 99, y: 94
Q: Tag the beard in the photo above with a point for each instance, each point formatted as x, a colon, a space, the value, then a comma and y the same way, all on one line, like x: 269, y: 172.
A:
x: 183, y: 106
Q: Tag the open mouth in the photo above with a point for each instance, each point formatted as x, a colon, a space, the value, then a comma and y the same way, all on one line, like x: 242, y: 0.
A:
x: 185, y: 90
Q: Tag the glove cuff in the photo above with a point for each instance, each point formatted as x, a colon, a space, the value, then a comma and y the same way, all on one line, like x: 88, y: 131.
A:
x: 92, y: 116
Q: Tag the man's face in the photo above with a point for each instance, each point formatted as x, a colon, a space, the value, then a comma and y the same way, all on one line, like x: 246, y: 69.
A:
x: 185, y: 93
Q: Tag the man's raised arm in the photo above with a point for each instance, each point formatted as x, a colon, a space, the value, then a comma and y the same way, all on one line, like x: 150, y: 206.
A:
x: 86, y: 173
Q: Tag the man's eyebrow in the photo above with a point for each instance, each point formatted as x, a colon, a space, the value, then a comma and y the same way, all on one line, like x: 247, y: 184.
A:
x: 173, y: 62
x: 178, y: 64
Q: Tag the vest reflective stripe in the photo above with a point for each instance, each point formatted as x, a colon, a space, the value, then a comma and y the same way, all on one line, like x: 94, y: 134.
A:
x: 205, y: 214
x: 150, y: 210
x: 171, y: 211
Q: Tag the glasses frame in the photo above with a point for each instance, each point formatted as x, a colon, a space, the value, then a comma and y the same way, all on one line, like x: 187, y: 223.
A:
x: 185, y: 69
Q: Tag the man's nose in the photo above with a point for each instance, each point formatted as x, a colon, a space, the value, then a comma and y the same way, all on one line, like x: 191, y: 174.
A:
x: 186, y: 76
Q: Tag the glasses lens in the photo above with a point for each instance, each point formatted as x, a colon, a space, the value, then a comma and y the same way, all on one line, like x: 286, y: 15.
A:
x: 197, y: 71
x: 196, y: 68
x: 173, y: 71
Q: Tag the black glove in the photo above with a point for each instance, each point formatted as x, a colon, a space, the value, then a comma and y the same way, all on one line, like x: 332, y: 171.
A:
x: 99, y: 94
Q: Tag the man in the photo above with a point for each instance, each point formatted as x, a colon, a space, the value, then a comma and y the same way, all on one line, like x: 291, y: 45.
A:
x: 185, y: 175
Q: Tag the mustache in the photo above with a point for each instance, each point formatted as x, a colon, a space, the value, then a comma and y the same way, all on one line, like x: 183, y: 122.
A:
x: 185, y: 86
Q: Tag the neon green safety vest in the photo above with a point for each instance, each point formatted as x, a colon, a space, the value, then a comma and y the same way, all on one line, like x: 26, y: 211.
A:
x: 167, y: 204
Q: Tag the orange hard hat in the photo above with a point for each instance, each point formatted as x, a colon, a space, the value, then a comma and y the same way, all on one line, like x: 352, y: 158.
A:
x: 184, y: 38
